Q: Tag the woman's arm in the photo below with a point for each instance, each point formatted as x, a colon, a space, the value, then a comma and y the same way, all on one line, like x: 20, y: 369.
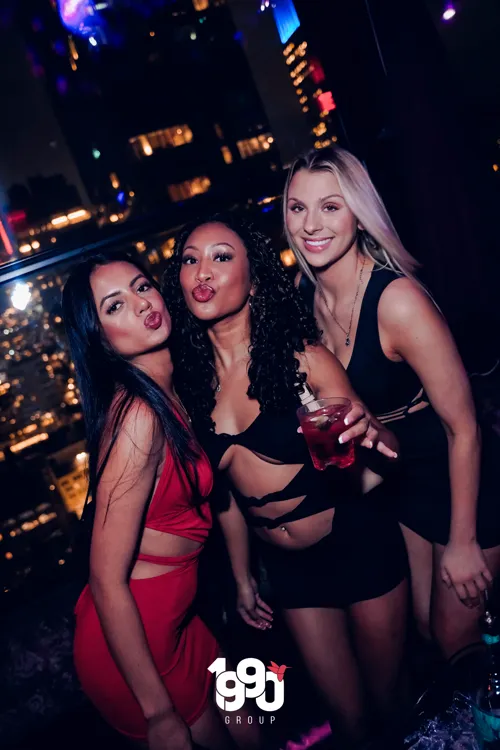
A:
x: 418, y: 333
x: 253, y: 610
x: 122, y: 495
x: 235, y: 532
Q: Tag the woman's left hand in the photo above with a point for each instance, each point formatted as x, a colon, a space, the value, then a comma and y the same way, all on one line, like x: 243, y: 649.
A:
x: 364, y: 427
x: 464, y: 567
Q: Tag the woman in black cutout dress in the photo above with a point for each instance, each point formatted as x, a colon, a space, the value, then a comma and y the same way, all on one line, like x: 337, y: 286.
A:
x: 401, y: 359
x: 239, y: 353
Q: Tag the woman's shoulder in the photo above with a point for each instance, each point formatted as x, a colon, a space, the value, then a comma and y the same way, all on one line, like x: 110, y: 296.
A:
x: 132, y: 423
x: 402, y: 299
x: 315, y: 356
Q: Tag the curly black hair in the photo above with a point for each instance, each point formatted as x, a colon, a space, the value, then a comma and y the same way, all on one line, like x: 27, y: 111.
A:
x: 280, y: 322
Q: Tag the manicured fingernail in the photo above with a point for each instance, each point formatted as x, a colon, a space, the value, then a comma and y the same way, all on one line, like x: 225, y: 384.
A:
x: 394, y: 455
x: 370, y: 444
x: 347, y: 420
x: 341, y: 439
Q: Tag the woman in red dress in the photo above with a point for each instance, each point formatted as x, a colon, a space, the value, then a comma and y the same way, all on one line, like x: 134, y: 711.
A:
x: 141, y: 655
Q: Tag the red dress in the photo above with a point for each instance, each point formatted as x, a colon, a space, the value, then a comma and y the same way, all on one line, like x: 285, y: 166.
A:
x: 182, y: 648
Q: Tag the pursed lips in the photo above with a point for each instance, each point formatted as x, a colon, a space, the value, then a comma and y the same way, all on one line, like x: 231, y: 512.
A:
x: 203, y: 293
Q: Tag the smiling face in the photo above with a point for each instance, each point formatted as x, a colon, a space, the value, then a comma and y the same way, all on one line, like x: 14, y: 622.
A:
x: 131, y: 311
x: 215, y: 272
x: 318, y: 219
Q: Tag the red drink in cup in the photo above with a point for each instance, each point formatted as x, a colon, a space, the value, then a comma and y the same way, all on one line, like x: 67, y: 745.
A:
x: 322, y: 423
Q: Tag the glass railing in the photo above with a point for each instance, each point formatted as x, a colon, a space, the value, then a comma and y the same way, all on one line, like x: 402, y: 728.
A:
x: 42, y: 440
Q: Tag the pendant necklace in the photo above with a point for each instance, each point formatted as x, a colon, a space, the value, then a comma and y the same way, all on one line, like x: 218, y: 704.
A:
x: 348, y: 331
x: 182, y: 407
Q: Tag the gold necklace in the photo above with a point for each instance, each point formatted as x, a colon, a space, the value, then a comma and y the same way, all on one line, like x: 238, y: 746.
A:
x: 348, y: 332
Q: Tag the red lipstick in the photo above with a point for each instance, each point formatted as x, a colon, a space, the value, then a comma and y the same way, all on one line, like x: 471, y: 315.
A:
x: 203, y: 293
x: 153, y: 321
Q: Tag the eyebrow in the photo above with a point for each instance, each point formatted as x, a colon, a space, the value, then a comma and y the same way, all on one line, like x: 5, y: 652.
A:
x: 214, y: 244
x: 115, y: 294
x: 333, y: 195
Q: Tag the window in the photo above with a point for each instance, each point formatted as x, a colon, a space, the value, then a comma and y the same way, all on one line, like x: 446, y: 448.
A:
x: 226, y: 154
x: 189, y: 188
x: 146, y: 144
x: 257, y: 145
x: 167, y: 248
x: 200, y: 4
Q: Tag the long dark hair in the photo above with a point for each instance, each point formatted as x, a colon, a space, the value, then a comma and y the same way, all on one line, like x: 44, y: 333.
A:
x: 280, y: 322
x: 105, y: 378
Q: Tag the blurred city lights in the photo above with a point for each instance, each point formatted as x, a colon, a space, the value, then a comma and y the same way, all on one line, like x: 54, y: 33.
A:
x: 21, y: 296
x: 79, y: 16
x: 5, y: 239
x: 449, y: 12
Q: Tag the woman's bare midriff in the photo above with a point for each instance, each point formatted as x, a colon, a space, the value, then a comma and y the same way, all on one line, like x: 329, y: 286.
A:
x: 300, y: 534
x: 161, y: 544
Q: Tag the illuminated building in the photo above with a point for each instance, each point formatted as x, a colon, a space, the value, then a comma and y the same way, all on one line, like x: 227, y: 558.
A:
x: 38, y: 175
x: 37, y: 388
x: 68, y: 473
x: 299, y: 102
x: 154, y: 110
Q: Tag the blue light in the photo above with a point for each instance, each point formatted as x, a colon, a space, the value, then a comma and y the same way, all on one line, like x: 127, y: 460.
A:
x: 59, y: 47
x: 120, y: 197
x: 286, y: 19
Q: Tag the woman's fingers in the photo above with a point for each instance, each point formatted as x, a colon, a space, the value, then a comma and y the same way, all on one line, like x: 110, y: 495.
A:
x: 251, y: 619
x: 462, y: 593
x: 486, y: 573
x: 385, y: 450
x: 263, y: 605
x: 357, y: 430
x: 446, y: 578
x: 264, y: 618
x: 371, y: 437
x: 481, y: 583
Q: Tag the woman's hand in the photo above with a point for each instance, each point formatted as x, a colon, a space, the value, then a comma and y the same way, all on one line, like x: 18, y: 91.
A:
x: 369, y: 432
x: 464, y: 567
x: 253, y: 610
x: 168, y: 732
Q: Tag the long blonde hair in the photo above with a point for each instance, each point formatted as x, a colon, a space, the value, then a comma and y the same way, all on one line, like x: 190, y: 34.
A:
x: 379, y: 239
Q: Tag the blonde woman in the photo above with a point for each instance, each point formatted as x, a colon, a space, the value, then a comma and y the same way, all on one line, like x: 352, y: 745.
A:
x: 402, y: 361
